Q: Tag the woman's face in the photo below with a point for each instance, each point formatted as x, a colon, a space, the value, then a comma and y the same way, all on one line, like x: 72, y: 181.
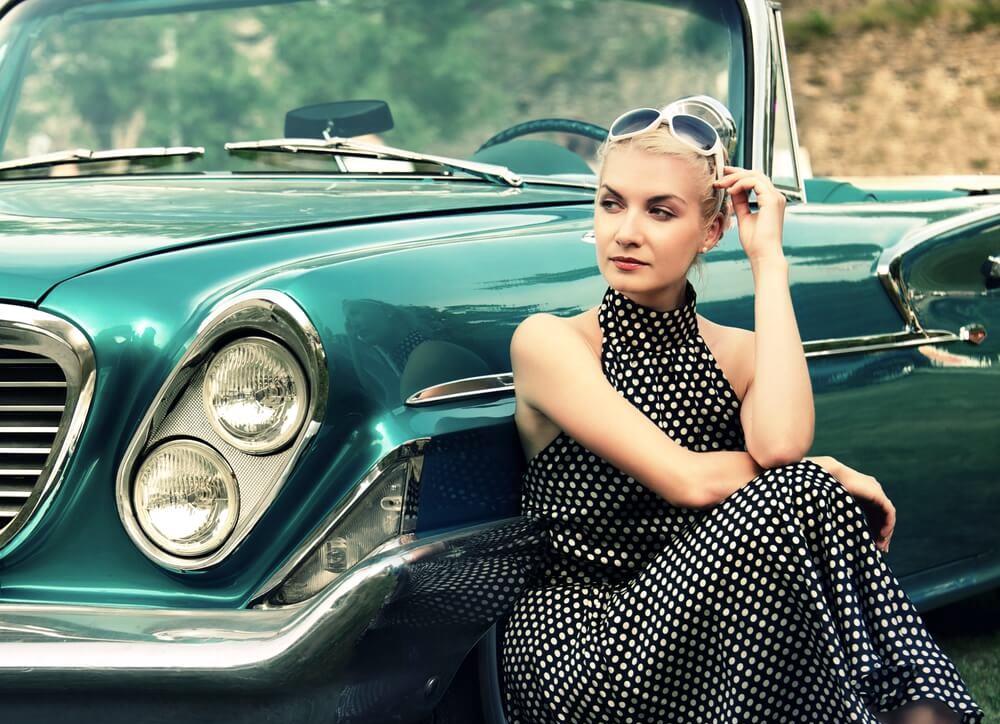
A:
x: 648, y: 209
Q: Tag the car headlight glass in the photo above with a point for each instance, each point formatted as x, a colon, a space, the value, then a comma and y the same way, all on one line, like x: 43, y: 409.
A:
x: 255, y: 395
x: 186, y: 498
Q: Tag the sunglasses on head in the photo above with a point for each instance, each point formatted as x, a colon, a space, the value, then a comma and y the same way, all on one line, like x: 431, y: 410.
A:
x: 691, y: 130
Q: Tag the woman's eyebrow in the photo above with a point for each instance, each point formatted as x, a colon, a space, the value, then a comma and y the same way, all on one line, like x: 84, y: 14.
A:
x: 651, y: 199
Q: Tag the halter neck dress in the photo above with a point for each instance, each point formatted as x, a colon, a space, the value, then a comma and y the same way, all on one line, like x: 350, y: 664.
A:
x: 772, y: 606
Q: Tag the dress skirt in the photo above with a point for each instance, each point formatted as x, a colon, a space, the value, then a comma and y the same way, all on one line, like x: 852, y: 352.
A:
x: 773, y: 606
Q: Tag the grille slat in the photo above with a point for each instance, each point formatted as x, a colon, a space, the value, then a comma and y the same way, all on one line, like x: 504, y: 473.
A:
x: 25, y: 450
x: 31, y: 383
x: 14, y: 491
x: 32, y: 408
x: 32, y: 401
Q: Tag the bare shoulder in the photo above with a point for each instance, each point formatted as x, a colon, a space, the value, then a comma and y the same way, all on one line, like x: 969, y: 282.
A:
x: 543, y: 335
x: 537, y: 338
x: 733, y: 349
x: 537, y: 329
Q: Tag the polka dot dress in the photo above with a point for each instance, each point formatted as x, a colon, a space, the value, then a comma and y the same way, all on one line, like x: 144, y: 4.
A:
x: 771, y: 606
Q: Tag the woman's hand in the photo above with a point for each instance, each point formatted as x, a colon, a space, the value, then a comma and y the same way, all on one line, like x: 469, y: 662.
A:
x: 878, y: 509
x: 760, y: 233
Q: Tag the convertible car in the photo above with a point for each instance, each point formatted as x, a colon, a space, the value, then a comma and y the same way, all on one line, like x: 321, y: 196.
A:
x: 260, y: 264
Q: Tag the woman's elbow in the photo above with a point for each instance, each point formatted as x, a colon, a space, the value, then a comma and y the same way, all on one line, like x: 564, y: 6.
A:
x: 774, y: 456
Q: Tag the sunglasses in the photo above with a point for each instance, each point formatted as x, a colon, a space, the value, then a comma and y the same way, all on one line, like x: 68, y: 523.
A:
x: 691, y: 130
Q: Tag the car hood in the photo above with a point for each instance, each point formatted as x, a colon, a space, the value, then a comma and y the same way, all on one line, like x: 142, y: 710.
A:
x: 51, y: 230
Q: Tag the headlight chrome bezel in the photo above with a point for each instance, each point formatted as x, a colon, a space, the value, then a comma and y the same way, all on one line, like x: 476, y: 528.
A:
x: 264, y: 313
x: 260, y: 444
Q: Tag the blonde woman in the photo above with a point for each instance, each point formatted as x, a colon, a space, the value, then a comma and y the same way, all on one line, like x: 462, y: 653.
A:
x: 699, y: 569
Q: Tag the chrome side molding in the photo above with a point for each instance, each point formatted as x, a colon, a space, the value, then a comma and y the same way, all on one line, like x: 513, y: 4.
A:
x: 876, y: 342
x: 502, y: 384
x: 482, y: 385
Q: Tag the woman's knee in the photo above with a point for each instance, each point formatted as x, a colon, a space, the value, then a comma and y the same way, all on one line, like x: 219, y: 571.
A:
x: 799, y: 479
x: 800, y: 492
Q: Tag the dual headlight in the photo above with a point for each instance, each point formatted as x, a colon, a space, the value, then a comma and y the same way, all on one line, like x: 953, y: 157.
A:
x: 185, y: 493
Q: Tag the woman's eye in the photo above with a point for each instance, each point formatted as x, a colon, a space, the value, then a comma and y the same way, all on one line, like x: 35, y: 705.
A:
x: 661, y: 213
x: 609, y: 204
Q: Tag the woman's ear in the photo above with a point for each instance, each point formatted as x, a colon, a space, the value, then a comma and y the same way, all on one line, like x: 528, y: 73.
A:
x: 714, y: 232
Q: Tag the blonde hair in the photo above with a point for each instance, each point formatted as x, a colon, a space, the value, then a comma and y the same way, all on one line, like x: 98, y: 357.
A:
x: 662, y: 141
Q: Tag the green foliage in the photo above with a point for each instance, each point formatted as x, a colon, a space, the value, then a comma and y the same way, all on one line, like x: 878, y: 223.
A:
x: 804, y: 30
x: 896, y: 13
x: 983, y: 14
x: 800, y: 33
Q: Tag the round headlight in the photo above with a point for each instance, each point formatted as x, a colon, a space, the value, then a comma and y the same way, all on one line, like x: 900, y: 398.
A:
x: 185, y: 498
x: 255, y: 395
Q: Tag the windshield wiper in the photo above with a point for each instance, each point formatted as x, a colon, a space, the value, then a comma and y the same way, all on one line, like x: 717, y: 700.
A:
x: 336, y: 145
x: 85, y: 155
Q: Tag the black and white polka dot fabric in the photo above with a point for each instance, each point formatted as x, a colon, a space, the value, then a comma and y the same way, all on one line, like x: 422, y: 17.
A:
x: 773, y: 606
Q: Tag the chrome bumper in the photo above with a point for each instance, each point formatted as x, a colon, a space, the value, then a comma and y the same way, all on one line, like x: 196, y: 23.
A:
x: 388, y: 635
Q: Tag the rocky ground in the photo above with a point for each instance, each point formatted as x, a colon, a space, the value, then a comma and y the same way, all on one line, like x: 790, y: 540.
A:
x: 885, y: 87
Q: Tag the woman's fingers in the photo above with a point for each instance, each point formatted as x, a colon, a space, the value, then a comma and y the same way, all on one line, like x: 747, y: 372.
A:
x: 743, y: 184
x: 890, y: 518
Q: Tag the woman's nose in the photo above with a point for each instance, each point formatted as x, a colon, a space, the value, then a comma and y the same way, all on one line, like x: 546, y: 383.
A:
x: 630, y: 229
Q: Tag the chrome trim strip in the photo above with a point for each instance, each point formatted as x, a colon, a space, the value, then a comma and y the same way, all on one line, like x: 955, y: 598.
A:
x: 786, y: 80
x: 503, y: 383
x: 889, y: 265
x: 759, y: 73
x: 30, y: 330
x: 875, y: 342
x: 411, y: 450
x: 254, y: 311
x: 219, y: 648
x: 478, y: 386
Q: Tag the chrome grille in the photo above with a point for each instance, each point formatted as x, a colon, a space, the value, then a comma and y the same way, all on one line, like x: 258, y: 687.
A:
x: 46, y: 384
x: 32, y: 401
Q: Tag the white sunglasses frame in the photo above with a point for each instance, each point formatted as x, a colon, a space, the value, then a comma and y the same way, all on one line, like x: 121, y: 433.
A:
x: 663, y: 115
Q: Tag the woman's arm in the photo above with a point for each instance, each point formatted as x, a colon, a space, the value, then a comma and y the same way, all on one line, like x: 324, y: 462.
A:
x: 777, y: 410
x: 557, y: 373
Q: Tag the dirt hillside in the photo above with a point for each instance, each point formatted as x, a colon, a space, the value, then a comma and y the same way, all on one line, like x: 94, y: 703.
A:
x: 896, y: 86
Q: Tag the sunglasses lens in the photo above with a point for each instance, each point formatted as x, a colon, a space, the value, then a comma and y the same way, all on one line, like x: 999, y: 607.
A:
x: 695, y: 131
x: 637, y: 120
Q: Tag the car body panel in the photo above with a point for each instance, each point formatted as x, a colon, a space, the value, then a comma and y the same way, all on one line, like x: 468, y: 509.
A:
x: 55, y: 229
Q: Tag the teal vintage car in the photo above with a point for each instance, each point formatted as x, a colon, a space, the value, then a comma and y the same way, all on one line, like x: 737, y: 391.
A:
x: 261, y: 264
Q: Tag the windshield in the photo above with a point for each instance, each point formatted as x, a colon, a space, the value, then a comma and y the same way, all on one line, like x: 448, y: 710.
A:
x: 442, y: 77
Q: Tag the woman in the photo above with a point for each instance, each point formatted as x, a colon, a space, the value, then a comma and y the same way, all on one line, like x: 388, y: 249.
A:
x: 709, y: 574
